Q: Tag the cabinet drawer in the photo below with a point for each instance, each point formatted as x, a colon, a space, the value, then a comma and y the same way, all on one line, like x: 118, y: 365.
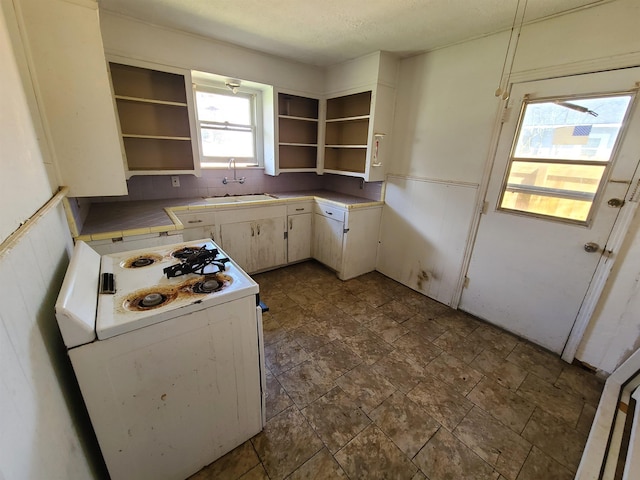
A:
x: 297, y: 208
x: 329, y: 211
x: 196, y: 219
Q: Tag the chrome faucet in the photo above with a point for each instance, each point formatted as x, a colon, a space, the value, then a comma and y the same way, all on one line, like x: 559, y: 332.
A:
x: 225, y: 180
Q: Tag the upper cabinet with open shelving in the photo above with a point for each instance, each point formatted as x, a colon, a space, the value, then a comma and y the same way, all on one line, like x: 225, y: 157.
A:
x: 359, y: 118
x: 298, y: 126
x: 154, y: 111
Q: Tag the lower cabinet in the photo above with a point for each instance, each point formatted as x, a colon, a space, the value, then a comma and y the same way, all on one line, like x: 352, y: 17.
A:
x: 299, y: 237
x: 299, y: 230
x: 255, y: 245
x: 197, y: 225
x: 346, y: 240
x: 327, y: 240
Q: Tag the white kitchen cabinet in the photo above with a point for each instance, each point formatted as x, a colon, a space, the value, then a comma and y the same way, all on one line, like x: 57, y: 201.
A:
x: 328, y: 231
x: 359, y: 116
x: 299, y: 228
x: 298, y: 133
x: 197, y: 225
x: 360, y: 244
x: 254, y: 237
x: 155, y: 111
x: 69, y: 73
x: 346, y: 240
x: 357, y: 130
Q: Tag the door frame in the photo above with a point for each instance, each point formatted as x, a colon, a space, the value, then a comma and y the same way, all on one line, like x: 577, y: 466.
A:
x: 621, y: 224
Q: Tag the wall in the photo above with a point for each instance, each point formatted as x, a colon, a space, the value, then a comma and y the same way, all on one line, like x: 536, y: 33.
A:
x: 22, y: 164
x: 43, y: 431
x: 135, y: 39
x: 445, y: 119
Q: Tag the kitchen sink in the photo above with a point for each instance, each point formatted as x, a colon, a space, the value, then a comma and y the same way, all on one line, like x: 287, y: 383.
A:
x: 238, y: 199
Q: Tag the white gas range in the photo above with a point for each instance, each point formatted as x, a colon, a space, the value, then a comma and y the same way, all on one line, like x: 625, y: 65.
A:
x: 166, y: 344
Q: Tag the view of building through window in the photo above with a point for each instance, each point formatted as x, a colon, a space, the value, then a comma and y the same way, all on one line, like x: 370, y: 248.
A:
x: 562, y: 151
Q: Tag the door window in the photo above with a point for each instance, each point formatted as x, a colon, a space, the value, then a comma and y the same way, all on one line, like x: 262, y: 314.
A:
x: 561, y: 155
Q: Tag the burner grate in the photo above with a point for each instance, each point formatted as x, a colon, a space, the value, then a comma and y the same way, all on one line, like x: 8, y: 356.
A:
x: 195, y: 260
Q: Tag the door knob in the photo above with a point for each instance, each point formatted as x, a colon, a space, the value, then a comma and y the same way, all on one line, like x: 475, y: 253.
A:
x: 591, y: 247
x: 615, y: 202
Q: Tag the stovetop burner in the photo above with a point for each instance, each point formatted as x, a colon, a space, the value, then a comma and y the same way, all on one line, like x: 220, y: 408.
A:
x: 208, y: 286
x: 142, y: 260
x: 195, y: 260
x: 150, y: 299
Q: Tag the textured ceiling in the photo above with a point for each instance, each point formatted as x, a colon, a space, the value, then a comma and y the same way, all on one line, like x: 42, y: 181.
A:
x: 330, y: 31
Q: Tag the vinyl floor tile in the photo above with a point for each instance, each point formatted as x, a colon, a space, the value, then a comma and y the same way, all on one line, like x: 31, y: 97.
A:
x: 495, y: 443
x: 370, y: 379
x: 372, y: 456
x: 335, y: 418
x: 286, y: 442
x: 509, y: 408
x: 404, y: 422
x: 445, y: 457
x: 557, y: 439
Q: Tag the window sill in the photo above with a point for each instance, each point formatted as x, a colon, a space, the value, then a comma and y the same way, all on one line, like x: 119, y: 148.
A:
x: 226, y: 167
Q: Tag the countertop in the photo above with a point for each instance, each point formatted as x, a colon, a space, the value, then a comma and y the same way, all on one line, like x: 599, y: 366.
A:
x: 123, y: 219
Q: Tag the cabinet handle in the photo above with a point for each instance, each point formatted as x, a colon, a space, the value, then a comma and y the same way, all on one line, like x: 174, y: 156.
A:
x: 194, y: 221
x: 328, y: 213
x: 258, y: 229
x: 252, y: 232
x: 299, y: 209
x: 291, y: 224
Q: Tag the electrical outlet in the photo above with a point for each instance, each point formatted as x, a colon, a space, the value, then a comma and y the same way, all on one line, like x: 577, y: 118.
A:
x: 175, y: 181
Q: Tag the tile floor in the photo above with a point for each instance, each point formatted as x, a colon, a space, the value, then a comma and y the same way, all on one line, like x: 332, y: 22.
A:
x: 368, y: 379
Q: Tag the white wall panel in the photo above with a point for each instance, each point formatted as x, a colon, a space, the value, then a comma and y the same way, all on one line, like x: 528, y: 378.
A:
x: 40, y: 437
x: 24, y: 185
x: 424, y: 233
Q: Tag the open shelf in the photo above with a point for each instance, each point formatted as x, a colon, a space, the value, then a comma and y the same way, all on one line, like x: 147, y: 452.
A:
x: 356, y: 105
x: 298, y: 122
x: 144, y: 83
x: 295, y: 106
x: 347, y: 133
x: 345, y: 159
x: 154, y: 118
x: 158, y: 154
x: 297, y: 157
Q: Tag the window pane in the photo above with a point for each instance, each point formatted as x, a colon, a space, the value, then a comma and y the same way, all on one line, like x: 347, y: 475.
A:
x: 560, y: 130
x: 559, y: 179
x: 227, y: 143
x: 543, y: 205
x: 213, y: 107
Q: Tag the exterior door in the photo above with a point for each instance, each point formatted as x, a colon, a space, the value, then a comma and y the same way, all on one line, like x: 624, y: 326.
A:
x: 562, y: 162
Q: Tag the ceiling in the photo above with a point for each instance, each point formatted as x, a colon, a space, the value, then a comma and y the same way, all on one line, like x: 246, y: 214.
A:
x: 331, y: 31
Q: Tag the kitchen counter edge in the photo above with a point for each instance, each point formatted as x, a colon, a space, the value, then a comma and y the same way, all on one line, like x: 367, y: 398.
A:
x: 199, y: 204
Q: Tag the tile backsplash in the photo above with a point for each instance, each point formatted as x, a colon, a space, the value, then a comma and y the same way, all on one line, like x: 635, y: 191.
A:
x: 154, y: 187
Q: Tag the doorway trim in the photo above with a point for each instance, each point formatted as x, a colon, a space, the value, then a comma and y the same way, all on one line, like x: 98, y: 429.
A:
x: 620, y: 226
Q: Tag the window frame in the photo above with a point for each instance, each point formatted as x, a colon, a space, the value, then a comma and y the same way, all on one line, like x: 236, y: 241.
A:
x: 608, y: 165
x: 255, y: 97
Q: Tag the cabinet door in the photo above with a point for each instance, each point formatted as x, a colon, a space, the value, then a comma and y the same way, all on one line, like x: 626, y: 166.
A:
x: 197, y: 233
x: 327, y: 241
x: 299, y: 237
x: 256, y: 245
x: 269, y: 246
x: 70, y: 78
x: 361, y: 242
x: 237, y: 240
